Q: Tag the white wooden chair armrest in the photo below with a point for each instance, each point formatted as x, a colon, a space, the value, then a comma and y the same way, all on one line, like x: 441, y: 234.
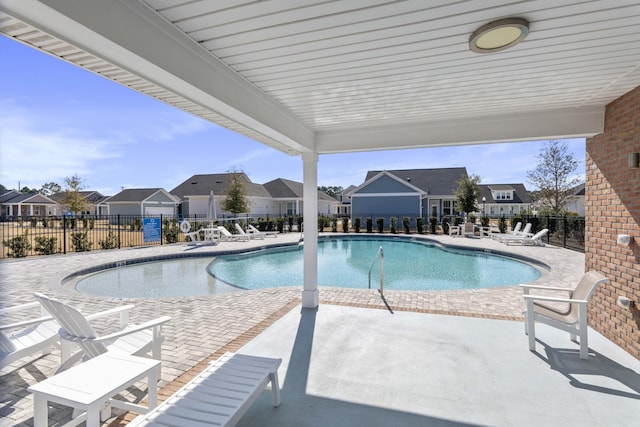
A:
x: 554, y: 299
x: 19, y: 307
x: 141, y: 327
x: 109, y: 312
x: 24, y: 323
x: 526, y: 288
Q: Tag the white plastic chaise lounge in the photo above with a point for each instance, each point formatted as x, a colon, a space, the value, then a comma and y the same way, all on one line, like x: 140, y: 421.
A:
x: 250, y: 235
x: 33, y: 334
x: 513, y: 232
x: 226, y: 236
x: 253, y: 230
x: 218, y: 396
x: 526, y: 232
x: 137, y: 340
x: 572, y: 319
x: 536, y: 239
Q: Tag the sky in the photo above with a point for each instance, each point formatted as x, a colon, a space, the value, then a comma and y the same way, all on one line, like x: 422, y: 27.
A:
x: 58, y: 120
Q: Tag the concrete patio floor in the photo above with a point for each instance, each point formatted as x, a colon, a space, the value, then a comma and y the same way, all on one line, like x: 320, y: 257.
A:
x: 437, y: 358
x: 346, y: 366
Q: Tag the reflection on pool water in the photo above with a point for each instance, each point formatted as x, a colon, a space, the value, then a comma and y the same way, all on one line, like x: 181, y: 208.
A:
x: 342, y: 262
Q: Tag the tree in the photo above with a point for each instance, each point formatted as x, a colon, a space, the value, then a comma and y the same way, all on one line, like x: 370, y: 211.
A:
x: 236, y: 200
x: 467, y: 193
x: 553, y: 175
x: 27, y: 190
x: 73, y: 199
x: 2, y: 187
x: 332, y: 191
x: 50, y: 188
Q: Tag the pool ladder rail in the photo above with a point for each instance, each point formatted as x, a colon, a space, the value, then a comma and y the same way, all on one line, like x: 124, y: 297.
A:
x: 380, y: 254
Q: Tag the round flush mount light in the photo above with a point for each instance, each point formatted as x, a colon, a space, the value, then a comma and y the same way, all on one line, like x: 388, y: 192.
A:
x: 499, y: 35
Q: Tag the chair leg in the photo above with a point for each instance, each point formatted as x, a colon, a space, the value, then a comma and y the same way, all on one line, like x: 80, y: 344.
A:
x: 275, y: 388
x: 582, y: 324
x: 530, y: 327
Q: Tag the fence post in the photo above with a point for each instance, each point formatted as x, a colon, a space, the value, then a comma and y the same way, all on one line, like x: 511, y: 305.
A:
x: 161, y: 230
x: 118, y: 224
x: 564, y: 234
x: 64, y: 234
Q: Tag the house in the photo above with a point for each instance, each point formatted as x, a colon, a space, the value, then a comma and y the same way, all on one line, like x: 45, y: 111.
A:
x: 575, y: 201
x: 344, y: 197
x: 287, y: 197
x: 94, y: 200
x: 143, y: 201
x: 17, y: 204
x: 504, y: 199
x: 409, y: 192
x: 279, y: 197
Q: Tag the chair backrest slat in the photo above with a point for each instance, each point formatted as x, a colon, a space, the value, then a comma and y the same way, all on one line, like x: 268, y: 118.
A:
x: 74, y: 323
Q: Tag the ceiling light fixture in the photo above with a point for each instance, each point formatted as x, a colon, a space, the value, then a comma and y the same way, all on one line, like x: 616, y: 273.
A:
x: 499, y: 35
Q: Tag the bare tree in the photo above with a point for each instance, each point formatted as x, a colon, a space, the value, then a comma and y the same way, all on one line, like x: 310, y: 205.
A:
x: 553, y: 176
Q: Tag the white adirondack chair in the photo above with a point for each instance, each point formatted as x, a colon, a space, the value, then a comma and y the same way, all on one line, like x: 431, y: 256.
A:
x: 136, y: 340
x: 26, y: 337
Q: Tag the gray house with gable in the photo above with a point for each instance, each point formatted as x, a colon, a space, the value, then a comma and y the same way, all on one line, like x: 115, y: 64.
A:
x: 409, y: 192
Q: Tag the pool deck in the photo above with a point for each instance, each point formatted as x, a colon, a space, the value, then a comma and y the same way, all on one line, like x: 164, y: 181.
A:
x: 333, y: 373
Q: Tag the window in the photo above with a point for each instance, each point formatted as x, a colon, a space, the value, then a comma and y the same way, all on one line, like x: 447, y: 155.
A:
x: 448, y: 207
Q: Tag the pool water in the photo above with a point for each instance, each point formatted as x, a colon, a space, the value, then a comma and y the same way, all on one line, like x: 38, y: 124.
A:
x: 408, y: 265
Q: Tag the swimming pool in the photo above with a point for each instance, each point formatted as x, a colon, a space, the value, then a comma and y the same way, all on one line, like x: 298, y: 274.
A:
x: 342, y: 262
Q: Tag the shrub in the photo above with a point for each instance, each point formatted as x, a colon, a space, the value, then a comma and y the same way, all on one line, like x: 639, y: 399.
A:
x: 380, y: 222
x: 472, y: 218
x: 136, y: 225
x: 170, y: 230
x: 369, y: 222
x: 406, y: 224
x: 280, y: 225
x: 356, y: 224
x: 345, y: 225
x: 92, y: 223
x: 85, y: 223
x: 34, y: 221
x: 299, y: 221
x: 290, y: 222
x: 80, y: 242
x: 111, y: 242
x: 393, y: 222
x: 45, y: 223
x: 19, y: 246
x: 46, y: 245
x: 433, y: 223
x: 502, y: 224
x: 334, y: 224
x: 445, y: 225
x: 420, y: 225
x: 484, y: 221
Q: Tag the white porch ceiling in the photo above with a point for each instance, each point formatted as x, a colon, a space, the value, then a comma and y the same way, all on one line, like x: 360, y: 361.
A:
x: 352, y: 75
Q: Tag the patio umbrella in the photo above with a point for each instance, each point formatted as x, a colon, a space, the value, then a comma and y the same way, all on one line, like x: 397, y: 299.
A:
x: 211, y: 215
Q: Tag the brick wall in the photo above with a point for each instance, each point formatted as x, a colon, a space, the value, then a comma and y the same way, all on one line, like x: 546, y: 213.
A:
x: 612, y: 208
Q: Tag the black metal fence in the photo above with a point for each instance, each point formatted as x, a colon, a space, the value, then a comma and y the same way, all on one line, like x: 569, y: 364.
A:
x: 47, y: 235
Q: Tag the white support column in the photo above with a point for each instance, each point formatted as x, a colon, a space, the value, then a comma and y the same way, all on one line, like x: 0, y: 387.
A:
x: 310, y: 296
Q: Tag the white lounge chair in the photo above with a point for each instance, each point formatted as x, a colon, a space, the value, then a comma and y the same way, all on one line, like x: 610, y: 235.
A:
x: 253, y: 230
x: 226, y: 236
x: 31, y: 335
x: 251, y: 235
x: 219, y: 395
x: 454, y: 230
x: 573, y: 319
x: 513, y: 232
x: 536, y: 239
x: 137, y: 340
x: 526, y: 232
